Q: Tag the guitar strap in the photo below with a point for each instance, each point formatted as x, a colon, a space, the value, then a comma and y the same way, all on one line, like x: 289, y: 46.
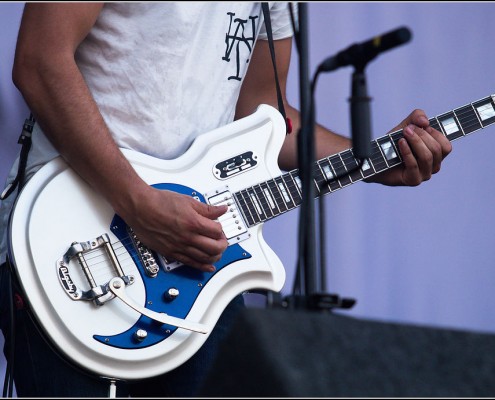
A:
x: 7, y: 280
x: 7, y: 283
x: 25, y: 141
x: 268, y: 26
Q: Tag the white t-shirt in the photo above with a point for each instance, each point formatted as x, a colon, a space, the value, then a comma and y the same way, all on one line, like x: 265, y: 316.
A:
x: 163, y: 73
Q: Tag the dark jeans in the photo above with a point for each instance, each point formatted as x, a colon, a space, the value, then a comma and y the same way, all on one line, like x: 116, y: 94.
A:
x: 40, y: 372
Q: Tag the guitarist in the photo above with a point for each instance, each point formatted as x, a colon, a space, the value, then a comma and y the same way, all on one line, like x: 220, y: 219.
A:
x: 152, y: 77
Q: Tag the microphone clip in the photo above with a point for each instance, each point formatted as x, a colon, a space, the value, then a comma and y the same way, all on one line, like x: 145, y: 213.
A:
x: 360, y: 54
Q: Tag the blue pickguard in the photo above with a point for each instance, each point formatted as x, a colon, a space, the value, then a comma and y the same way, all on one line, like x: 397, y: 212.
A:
x: 189, y: 281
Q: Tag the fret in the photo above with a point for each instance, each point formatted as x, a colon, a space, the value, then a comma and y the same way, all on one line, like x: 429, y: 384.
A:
x: 436, y: 125
x: 284, y: 190
x: 367, y: 169
x: 272, y: 200
x: 264, y: 202
x: 450, y: 126
x: 340, y: 170
x: 258, y: 207
x: 351, y: 164
x: 292, y: 189
x: 329, y: 175
x: 396, y: 136
x: 377, y: 159
x: 389, y: 151
x: 276, y: 195
x: 468, y: 119
x: 320, y: 179
x: 245, y: 208
x: 458, y: 123
x: 486, y: 110
x: 317, y: 176
x: 477, y: 116
x: 251, y: 207
x: 297, y: 181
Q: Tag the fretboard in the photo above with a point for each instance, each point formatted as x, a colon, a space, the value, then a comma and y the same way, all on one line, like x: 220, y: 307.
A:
x: 271, y: 198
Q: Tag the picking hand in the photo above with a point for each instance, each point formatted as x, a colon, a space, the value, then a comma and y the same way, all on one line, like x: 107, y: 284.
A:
x: 180, y: 227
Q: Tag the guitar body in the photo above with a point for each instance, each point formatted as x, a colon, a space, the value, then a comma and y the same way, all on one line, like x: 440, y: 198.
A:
x: 58, y: 229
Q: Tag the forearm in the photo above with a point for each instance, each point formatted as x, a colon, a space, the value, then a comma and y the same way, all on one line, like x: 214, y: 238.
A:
x: 56, y: 93
x: 54, y: 89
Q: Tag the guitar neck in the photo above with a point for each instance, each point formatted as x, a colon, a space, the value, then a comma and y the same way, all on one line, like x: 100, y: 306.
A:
x: 271, y: 198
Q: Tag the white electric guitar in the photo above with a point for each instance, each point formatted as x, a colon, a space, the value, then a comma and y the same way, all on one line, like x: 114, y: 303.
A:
x: 118, y: 309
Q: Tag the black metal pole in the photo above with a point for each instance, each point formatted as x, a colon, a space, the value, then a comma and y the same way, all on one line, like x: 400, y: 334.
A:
x: 307, y: 259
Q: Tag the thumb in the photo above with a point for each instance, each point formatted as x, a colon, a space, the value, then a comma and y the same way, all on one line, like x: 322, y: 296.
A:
x: 212, y: 212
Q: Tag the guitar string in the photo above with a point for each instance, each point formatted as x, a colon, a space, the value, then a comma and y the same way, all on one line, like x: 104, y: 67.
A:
x: 100, y: 264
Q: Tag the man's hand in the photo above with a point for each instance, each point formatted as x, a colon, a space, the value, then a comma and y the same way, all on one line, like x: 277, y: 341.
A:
x: 179, y: 227
x: 422, y: 149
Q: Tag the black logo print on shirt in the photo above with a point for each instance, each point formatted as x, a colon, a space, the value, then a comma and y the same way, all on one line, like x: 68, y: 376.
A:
x: 240, y: 33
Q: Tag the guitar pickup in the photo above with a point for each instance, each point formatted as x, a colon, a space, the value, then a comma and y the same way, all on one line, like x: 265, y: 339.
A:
x: 233, y: 225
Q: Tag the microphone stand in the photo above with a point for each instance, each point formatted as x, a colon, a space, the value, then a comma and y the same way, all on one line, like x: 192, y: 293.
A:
x: 308, y: 292
x: 307, y: 260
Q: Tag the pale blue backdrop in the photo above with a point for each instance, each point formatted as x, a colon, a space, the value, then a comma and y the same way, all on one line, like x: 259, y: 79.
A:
x: 422, y: 255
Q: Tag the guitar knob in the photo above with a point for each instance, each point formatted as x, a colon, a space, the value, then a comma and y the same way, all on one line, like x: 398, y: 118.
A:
x: 140, y: 335
x: 171, y: 293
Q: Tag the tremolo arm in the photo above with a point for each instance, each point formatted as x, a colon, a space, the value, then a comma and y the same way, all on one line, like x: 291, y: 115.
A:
x: 115, y: 287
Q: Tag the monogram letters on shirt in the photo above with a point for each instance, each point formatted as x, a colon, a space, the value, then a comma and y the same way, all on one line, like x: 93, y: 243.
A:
x: 241, y: 35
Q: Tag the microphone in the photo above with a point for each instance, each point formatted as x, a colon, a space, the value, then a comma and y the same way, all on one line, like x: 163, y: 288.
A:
x: 359, y: 54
